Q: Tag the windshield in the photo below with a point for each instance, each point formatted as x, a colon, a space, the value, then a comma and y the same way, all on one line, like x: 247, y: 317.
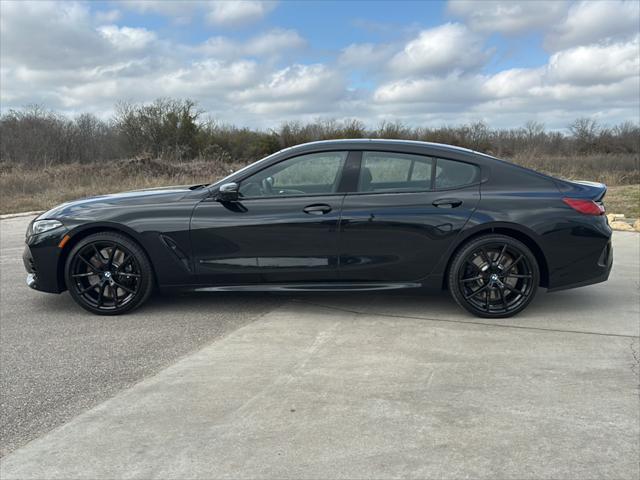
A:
x: 246, y: 167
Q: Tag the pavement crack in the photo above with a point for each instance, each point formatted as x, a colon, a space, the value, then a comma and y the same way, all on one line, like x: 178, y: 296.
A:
x: 635, y: 365
x: 467, y: 322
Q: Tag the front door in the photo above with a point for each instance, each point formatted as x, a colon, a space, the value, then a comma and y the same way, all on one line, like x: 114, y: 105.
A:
x: 405, y: 214
x: 283, y: 229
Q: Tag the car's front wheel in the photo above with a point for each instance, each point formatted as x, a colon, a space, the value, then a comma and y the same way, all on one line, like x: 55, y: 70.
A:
x: 108, y: 274
x: 494, y: 276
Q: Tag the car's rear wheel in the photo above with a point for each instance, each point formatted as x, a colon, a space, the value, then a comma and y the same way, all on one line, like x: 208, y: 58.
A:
x: 108, y: 274
x: 494, y: 276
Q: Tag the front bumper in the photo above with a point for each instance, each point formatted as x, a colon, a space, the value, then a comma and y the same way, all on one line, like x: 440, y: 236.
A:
x: 42, y: 261
x: 30, y: 267
x: 31, y: 281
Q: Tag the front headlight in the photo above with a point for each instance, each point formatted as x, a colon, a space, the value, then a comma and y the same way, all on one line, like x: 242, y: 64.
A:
x: 41, y: 226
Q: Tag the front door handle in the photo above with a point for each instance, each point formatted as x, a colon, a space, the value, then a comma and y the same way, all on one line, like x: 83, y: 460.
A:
x: 447, y: 203
x: 317, y: 209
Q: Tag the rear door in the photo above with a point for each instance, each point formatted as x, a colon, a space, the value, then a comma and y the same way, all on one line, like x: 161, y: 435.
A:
x: 283, y: 229
x: 403, y: 215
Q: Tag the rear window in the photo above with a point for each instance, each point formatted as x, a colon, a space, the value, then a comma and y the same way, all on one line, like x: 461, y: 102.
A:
x: 403, y: 172
x: 394, y: 172
x: 451, y: 174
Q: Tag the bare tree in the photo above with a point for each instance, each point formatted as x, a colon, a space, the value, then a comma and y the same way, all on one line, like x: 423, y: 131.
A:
x: 176, y: 130
x: 584, y: 131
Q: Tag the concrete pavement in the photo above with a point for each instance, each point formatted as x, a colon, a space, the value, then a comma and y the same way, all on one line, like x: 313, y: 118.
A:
x: 57, y: 360
x: 380, y: 386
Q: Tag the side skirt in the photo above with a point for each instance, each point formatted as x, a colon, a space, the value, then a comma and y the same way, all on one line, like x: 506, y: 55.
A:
x: 298, y: 287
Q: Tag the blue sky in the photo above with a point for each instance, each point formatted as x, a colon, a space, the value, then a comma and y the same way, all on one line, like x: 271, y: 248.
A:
x: 261, y: 63
x: 329, y: 26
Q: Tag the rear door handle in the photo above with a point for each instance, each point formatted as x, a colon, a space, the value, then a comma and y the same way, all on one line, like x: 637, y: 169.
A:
x: 447, y: 203
x: 317, y: 209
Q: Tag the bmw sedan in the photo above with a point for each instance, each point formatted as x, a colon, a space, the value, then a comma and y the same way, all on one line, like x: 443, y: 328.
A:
x: 333, y: 215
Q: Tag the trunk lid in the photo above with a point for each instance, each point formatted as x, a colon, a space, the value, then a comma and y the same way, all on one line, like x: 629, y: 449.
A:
x: 582, y: 189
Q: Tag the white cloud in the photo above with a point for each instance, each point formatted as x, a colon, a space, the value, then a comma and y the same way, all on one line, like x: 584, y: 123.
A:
x: 161, y: 7
x: 582, y: 80
x: 298, y: 88
x: 209, y: 77
x: 220, y: 47
x: 48, y: 35
x: 444, y: 48
x: 127, y: 38
x: 367, y: 55
x: 594, y: 21
x: 273, y: 43
x: 596, y: 64
x: 69, y: 57
x: 107, y: 16
x: 179, y: 11
x: 513, y: 82
x: 453, y: 89
x: 293, y: 82
x: 238, y: 12
x: 507, y: 16
x: 601, y: 95
x: 216, y: 12
x: 74, y: 65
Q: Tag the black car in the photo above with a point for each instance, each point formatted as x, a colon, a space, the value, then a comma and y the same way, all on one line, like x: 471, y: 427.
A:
x: 333, y: 215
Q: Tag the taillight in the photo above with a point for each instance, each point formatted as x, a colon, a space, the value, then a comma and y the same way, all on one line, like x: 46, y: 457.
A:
x: 588, y: 207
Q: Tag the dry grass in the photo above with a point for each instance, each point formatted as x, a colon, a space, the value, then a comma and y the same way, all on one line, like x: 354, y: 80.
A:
x: 612, y: 169
x: 623, y: 199
x: 24, y: 189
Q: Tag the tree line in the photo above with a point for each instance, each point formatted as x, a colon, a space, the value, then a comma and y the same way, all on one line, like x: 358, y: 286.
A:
x: 177, y: 130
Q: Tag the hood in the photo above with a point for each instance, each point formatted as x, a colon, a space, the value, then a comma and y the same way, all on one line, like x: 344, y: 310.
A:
x: 77, y: 208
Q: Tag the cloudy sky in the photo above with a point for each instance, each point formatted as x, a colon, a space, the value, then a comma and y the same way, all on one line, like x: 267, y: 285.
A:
x: 260, y: 63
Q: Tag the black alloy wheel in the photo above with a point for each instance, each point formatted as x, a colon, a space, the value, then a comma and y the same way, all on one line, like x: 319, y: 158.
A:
x: 108, y: 274
x: 494, y: 276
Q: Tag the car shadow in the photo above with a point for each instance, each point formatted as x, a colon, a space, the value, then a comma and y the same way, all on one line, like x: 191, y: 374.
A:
x: 581, y: 309
x: 394, y: 303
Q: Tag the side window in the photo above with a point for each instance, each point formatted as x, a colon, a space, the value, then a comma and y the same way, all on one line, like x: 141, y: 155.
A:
x: 393, y: 172
x: 312, y: 174
x: 450, y: 174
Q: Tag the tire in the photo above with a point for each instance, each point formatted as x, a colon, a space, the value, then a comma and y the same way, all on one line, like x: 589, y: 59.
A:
x: 108, y: 274
x: 493, y: 276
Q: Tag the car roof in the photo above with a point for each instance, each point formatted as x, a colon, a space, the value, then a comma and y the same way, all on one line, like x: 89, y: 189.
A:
x: 408, y: 146
x: 383, y: 142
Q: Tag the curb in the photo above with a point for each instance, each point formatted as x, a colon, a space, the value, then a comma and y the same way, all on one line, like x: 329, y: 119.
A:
x: 21, y: 214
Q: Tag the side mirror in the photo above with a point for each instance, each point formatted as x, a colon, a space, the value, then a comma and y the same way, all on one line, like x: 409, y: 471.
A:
x: 228, y: 193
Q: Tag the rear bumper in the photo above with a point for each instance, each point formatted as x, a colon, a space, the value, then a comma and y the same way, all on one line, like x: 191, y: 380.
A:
x: 598, y: 273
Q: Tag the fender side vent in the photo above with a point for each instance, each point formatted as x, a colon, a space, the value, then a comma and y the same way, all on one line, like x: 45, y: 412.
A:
x: 179, y: 254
